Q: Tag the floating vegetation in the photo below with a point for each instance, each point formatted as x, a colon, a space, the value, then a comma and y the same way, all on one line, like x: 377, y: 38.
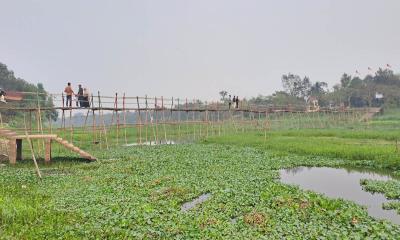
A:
x: 139, y: 195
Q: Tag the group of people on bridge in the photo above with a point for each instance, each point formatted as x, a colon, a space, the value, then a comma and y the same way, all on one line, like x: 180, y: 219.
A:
x: 235, y: 101
x: 82, y: 97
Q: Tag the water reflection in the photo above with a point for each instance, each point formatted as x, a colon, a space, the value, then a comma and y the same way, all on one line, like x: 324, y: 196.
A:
x: 342, y: 183
x: 189, y: 205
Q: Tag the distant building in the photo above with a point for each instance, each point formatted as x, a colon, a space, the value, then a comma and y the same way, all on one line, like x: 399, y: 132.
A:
x: 378, y: 95
x: 312, y: 104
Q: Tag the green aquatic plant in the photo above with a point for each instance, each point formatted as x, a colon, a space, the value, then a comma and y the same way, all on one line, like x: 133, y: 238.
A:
x: 138, y: 193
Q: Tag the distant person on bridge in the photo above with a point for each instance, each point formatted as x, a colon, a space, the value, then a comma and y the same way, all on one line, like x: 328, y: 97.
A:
x: 80, y: 96
x: 69, y: 92
x: 2, y: 96
x: 237, y: 101
x: 85, y: 98
x: 234, y: 101
x: 229, y: 101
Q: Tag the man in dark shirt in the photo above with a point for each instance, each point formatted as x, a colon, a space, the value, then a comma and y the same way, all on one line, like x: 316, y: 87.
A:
x: 80, y: 96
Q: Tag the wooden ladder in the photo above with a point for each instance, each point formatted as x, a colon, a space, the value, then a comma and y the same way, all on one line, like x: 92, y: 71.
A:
x: 15, y: 145
x: 73, y: 148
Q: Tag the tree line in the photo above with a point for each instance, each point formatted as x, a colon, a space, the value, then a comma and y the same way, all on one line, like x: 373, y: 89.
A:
x: 9, y: 82
x: 374, y: 90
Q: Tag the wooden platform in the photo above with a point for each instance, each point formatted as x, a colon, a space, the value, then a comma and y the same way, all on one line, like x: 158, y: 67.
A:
x: 15, y: 145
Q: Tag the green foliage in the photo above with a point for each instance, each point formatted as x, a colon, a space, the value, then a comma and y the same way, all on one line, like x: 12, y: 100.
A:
x: 295, y: 86
x: 372, y: 148
x: 391, y: 190
x: 352, y: 91
x: 11, y: 83
x: 138, y: 192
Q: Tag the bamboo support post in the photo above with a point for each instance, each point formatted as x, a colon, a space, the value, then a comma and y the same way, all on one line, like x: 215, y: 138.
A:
x: 124, y: 111
x: 156, y: 117
x: 163, y: 119
x: 146, y: 118
x: 194, y: 124
x: 117, y: 116
x: 94, y: 132
x: 31, y: 148
x: 101, y: 116
x: 140, y: 122
x: 171, y: 120
x: 179, y: 122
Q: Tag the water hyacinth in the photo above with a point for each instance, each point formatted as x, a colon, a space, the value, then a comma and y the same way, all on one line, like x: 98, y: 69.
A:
x: 138, y: 192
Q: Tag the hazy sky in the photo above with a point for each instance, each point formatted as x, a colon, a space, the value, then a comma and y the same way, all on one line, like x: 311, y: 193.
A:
x: 188, y: 48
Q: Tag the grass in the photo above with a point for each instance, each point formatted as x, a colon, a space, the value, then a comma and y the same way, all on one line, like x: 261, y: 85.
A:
x: 137, y: 192
x: 376, y: 152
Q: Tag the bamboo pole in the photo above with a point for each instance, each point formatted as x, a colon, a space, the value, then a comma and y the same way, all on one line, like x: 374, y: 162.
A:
x: 101, y: 115
x: 206, y: 118
x: 123, y: 106
x: 71, y: 128
x: 63, y: 114
x: 30, y: 121
x: 38, y: 131
x: 140, y: 122
x: 117, y: 116
x: 146, y: 123
x: 154, y: 126
x: 196, y: 103
x: 163, y: 119
x: 31, y: 148
x: 40, y: 119
x: 218, y: 121
x: 187, y: 118
x: 171, y: 120
x: 86, y: 118
x: 179, y: 122
x: 94, y: 132
x: 194, y: 120
x: 156, y: 113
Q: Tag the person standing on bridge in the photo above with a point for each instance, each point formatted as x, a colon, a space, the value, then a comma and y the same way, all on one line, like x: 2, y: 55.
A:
x: 69, y: 92
x: 2, y: 96
x: 237, y: 101
x: 85, y: 98
x: 79, y: 96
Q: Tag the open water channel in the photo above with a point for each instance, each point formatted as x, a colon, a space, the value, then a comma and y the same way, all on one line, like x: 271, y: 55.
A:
x: 342, y: 183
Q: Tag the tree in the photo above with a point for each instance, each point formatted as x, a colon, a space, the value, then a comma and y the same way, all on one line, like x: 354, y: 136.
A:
x: 10, y: 83
x: 345, y: 80
x: 295, y: 86
x: 223, y: 94
x: 318, y: 88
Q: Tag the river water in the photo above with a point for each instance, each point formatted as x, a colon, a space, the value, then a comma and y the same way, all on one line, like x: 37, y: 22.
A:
x: 342, y: 183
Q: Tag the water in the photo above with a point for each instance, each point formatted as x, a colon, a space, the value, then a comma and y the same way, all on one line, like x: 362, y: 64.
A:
x: 189, y: 205
x: 342, y: 183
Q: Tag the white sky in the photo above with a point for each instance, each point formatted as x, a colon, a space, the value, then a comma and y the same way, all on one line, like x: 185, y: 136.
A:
x: 188, y: 48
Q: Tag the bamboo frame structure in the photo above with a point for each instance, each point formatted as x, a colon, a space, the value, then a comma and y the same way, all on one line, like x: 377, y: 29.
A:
x: 166, y: 120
